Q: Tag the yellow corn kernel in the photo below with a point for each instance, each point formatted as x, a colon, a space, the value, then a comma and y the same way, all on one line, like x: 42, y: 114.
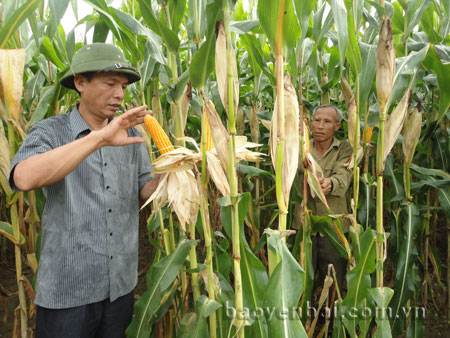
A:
x: 158, y: 134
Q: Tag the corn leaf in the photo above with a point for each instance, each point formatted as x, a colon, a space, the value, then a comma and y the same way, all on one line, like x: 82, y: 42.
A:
x: 284, y: 290
x: 194, y: 325
x: 368, y: 68
x: 268, y: 18
x: 404, y: 286
x: 304, y: 9
x: 170, y: 37
x: 58, y: 8
x: 203, y: 61
x: 406, y: 68
x: 359, y: 281
x: 324, y: 225
x: 12, y: 24
x: 7, y: 231
x: 434, y: 63
x: 340, y: 20
x: 382, y: 297
x: 159, y: 278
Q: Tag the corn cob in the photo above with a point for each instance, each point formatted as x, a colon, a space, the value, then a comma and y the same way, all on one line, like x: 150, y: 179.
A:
x: 158, y: 134
x: 209, y: 139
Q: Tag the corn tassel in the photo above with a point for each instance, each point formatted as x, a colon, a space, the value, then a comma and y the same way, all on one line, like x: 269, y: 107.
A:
x: 158, y: 135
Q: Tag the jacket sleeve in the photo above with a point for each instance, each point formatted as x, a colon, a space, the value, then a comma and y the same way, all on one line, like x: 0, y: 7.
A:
x: 341, y: 176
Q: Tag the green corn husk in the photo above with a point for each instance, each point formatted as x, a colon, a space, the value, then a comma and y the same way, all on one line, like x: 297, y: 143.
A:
x: 411, y: 133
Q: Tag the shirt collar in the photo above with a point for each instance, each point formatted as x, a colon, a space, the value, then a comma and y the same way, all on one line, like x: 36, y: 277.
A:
x: 334, y: 144
x: 77, y: 123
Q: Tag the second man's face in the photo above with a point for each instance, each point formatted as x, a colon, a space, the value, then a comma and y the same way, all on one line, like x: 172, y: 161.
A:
x: 324, y: 124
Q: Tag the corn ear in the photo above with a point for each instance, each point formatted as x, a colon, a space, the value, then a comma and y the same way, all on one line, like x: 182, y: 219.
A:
x: 219, y: 133
x: 158, y: 135
x: 385, y: 65
x: 325, y: 98
x: 394, y: 124
x: 254, y: 125
x: 368, y: 135
x: 12, y: 62
x: 351, y: 108
x: 221, y: 68
x: 185, y: 102
x: 209, y: 139
x: 240, y: 121
x: 346, y: 89
x: 291, y: 144
x: 411, y: 134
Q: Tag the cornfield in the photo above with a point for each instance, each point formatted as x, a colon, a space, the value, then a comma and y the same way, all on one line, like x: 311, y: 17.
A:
x: 233, y: 84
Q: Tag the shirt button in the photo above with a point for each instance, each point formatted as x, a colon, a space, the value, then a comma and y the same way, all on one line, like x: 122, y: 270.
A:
x: 107, y: 187
x: 106, y: 164
x: 110, y: 233
x: 111, y: 257
x: 110, y: 210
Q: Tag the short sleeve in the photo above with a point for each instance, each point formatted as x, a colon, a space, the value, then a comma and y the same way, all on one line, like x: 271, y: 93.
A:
x: 39, y: 140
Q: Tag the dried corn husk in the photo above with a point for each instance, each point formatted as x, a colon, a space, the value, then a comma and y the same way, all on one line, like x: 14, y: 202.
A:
x: 351, y: 107
x: 145, y: 136
x: 221, y: 68
x: 385, y: 67
x: 291, y: 144
x: 394, y: 124
x: 184, y: 202
x: 5, y: 160
x: 254, y: 125
x: 346, y: 89
x: 411, y: 134
x: 12, y: 62
x: 266, y: 123
x: 218, y: 131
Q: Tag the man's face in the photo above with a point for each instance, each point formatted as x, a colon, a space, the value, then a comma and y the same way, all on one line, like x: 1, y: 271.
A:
x: 102, y: 96
x: 324, y: 124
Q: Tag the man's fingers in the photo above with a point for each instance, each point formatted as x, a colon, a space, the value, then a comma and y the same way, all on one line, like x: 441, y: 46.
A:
x: 136, y: 139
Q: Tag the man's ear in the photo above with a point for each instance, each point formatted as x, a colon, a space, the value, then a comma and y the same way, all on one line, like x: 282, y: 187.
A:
x: 79, y: 81
x: 338, y: 125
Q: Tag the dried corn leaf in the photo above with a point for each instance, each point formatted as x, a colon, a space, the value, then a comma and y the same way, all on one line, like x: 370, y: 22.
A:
x: 411, y: 134
x: 12, y: 62
x: 160, y: 193
x: 385, y: 65
x: 359, y: 155
x: 291, y: 144
x: 266, y: 123
x: 185, y: 102
x: 218, y: 131
x: 351, y: 107
x: 221, y: 68
x: 394, y: 124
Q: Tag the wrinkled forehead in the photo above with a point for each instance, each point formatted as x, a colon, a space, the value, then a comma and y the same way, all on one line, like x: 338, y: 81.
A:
x: 326, y: 112
x: 113, y: 76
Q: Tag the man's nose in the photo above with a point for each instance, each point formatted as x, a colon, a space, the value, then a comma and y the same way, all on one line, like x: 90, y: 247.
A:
x: 119, y: 92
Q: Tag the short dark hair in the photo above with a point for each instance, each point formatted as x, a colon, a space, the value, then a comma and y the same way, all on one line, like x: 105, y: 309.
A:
x: 339, y: 115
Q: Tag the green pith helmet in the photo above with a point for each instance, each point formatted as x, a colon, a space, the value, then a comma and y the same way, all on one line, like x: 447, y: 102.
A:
x: 99, y: 57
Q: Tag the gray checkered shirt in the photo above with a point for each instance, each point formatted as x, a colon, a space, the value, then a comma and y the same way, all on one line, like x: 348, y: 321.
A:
x: 89, y: 248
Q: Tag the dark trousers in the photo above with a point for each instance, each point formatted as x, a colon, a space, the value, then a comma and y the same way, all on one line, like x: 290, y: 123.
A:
x: 324, y: 253
x: 102, y: 319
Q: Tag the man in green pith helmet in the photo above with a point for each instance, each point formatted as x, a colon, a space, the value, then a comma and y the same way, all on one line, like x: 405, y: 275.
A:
x: 94, y: 170
x: 332, y: 155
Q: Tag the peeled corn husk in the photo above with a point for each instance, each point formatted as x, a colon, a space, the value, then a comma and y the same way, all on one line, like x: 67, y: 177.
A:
x: 291, y: 144
x: 411, y: 134
x: 394, y: 124
x: 385, y: 64
x: 221, y: 69
x: 184, y: 202
x: 12, y: 62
